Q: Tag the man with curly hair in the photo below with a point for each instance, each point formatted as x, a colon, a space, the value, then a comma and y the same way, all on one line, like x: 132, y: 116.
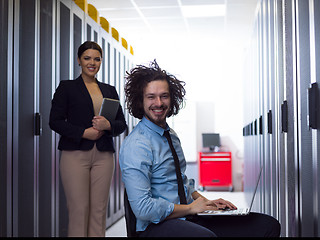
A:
x: 149, y: 172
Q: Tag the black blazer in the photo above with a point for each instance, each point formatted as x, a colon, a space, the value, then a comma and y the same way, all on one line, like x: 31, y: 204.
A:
x: 72, y: 112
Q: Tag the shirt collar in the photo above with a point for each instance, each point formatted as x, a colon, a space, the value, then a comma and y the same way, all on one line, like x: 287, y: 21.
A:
x: 154, y: 127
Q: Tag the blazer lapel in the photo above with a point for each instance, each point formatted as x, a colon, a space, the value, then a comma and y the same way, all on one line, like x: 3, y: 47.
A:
x: 104, y: 90
x: 83, y: 89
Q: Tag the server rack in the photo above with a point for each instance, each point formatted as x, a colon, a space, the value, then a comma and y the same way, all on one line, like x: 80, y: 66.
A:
x: 42, y: 52
x: 285, y: 37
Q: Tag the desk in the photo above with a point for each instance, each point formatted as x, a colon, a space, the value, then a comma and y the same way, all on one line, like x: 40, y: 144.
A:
x: 215, y: 170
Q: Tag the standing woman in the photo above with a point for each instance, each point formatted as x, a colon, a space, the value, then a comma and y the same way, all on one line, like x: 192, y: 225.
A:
x: 87, y: 163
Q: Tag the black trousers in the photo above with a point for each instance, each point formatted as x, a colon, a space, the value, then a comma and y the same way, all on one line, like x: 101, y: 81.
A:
x: 252, y: 225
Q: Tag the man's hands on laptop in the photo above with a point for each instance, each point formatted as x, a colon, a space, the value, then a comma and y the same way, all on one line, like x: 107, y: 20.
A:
x: 202, y: 204
x: 222, y: 204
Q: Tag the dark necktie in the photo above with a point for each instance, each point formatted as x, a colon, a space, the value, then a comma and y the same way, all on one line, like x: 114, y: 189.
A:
x: 181, y: 192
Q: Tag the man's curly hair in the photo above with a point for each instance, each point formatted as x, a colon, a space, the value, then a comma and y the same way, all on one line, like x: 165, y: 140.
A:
x: 137, y: 80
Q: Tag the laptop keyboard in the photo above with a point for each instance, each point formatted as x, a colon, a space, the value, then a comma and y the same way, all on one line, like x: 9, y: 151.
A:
x: 239, y: 211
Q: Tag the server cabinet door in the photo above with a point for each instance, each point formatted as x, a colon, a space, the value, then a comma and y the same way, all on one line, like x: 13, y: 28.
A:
x: 266, y: 108
x: 291, y: 160
x: 63, y: 73
x: 6, y: 19
x: 315, y: 78
x: 78, y: 35
x: 306, y: 207
x: 25, y: 160
x: 45, y: 87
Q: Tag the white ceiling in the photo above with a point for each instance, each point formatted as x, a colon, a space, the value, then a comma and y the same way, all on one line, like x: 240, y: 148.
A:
x: 136, y: 19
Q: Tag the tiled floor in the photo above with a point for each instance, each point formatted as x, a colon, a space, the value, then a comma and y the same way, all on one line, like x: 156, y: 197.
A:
x: 119, y: 228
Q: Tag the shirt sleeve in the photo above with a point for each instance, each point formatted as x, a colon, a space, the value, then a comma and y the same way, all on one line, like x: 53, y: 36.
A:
x: 136, y: 166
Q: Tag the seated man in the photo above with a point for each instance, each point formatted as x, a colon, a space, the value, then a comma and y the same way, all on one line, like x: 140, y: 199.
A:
x: 151, y: 177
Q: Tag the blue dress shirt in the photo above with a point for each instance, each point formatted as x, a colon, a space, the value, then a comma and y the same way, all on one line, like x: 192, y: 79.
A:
x: 148, y: 173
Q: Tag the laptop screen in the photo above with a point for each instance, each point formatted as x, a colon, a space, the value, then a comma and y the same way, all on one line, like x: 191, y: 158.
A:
x: 255, y: 190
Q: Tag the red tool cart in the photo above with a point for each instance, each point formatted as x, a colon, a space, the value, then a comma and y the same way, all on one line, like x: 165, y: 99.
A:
x: 215, y: 170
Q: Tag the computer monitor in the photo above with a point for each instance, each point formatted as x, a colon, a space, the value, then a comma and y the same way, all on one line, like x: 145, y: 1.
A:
x: 211, y: 141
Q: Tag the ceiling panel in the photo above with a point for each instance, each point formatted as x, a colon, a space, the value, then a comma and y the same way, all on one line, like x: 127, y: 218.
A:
x: 167, y: 22
x: 156, y: 3
x: 117, y: 4
x: 130, y: 25
x: 162, y: 12
x: 202, y: 2
x: 242, y: 2
x: 112, y: 15
x: 209, y: 24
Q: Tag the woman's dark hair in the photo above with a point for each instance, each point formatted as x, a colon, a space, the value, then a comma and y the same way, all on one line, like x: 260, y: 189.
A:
x: 88, y: 45
x: 137, y: 80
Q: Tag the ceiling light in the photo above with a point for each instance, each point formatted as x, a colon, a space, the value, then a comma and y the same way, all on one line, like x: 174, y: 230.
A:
x: 204, y: 10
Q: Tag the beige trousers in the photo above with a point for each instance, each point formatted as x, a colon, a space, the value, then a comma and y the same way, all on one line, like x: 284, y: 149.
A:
x: 86, y: 178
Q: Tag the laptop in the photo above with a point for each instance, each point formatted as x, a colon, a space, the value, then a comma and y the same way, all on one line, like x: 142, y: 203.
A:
x: 237, y: 212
